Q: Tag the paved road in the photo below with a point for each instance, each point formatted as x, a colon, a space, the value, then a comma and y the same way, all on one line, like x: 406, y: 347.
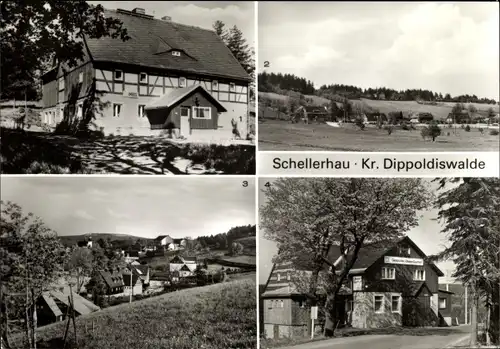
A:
x: 441, y: 339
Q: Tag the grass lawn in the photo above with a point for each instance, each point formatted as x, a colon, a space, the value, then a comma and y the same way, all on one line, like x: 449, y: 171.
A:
x: 42, y: 152
x: 220, y: 316
x: 351, y: 332
x: 282, y: 135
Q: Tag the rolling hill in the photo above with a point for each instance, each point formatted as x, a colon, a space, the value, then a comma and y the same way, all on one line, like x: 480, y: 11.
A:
x: 70, y: 240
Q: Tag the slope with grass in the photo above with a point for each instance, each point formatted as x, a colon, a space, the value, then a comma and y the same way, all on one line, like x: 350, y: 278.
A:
x: 220, y: 316
x: 440, y: 111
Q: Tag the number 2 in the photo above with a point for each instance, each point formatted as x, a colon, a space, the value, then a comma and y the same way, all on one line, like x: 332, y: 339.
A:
x: 266, y: 64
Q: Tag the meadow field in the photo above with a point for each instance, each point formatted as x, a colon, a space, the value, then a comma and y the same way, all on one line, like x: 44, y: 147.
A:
x: 220, y: 316
x: 283, y: 135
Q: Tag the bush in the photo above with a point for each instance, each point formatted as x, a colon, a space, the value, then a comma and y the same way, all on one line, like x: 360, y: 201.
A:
x: 494, y: 132
x: 467, y: 128
x: 360, y: 123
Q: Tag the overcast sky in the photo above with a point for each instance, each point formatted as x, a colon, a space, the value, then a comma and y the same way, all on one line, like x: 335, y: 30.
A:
x: 145, y: 207
x: 426, y: 235
x: 197, y: 13
x: 445, y: 47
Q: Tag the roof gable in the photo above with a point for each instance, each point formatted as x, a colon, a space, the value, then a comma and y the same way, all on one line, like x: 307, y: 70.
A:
x: 205, y: 52
x: 177, y: 260
x: 175, y: 96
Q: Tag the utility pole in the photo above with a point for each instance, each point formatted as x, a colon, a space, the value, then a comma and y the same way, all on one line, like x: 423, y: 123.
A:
x: 466, y: 308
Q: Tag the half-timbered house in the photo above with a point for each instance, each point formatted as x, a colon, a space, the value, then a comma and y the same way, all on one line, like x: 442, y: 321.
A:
x: 167, y: 76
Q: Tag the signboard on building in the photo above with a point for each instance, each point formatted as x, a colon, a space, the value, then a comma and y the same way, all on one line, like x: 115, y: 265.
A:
x: 357, y: 283
x: 132, y: 94
x: 314, y: 313
x: 403, y: 260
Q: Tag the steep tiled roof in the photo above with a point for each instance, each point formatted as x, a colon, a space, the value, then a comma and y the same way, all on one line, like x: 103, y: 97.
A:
x: 81, y: 305
x: 368, y: 254
x: 161, y: 237
x: 151, y: 42
x: 142, y: 268
x: 112, y: 279
x: 315, y: 109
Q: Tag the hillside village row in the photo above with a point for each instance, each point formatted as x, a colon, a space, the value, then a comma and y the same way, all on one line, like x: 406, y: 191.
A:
x: 132, y: 280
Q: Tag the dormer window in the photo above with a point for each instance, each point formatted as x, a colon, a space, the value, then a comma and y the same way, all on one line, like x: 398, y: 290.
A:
x: 143, y: 77
x: 176, y: 53
x: 118, y: 75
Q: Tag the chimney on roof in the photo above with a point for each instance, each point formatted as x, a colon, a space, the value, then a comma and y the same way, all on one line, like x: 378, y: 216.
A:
x: 139, y: 10
x: 166, y: 18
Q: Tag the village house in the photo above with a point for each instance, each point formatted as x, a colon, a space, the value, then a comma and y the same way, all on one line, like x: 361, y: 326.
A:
x: 309, y: 113
x: 163, y: 240
x: 184, y: 266
x: 168, y: 77
x: 390, y: 284
x: 85, y: 243
x: 53, y: 304
x: 113, y: 281
x: 170, y: 244
x: 132, y: 283
x: 142, y: 270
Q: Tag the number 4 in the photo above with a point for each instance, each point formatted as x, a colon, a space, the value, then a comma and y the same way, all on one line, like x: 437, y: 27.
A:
x: 267, y: 184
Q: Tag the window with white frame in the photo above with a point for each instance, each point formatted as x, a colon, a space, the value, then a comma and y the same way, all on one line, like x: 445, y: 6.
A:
x: 202, y: 113
x: 79, y: 111
x: 404, y: 250
x: 143, y: 78
x: 185, y: 111
x: 396, y: 304
x: 176, y: 53
x: 419, y: 275
x: 118, y: 75
x: 182, y: 82
x: 215, y: 85
x: 442, y: 303
x: 140, y: 110
x: 378, y: 303
x: 117, y: 109
x: 278, y: 276
x: 282, y: 304
x: 388, y: 273
x: 288, y: 277
x: 61, y: 83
